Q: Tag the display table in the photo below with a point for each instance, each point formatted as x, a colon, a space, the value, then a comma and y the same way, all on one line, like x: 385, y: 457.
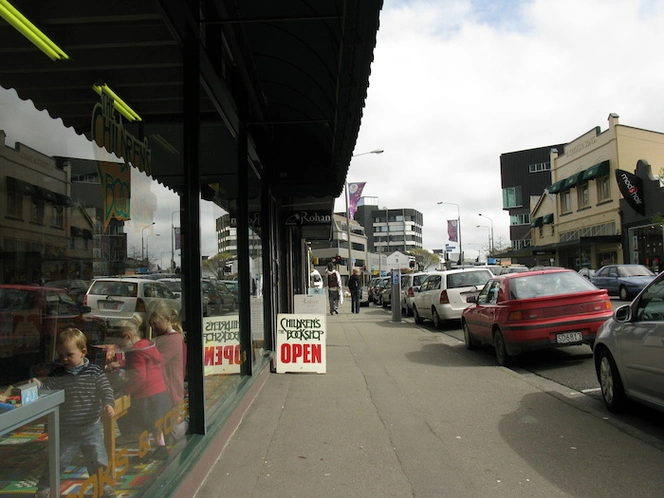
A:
x: 46, y: 405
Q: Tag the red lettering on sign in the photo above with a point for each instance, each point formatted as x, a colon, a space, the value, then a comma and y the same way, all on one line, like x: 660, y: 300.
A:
x: 220, y: 355
x: 304, y: 353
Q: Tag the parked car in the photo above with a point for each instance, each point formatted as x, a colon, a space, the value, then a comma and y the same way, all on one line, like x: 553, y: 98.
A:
x: 234, y: 287
x: 315, y: 279
x: 364, y: 296
x: 221, y: 300
x: 31, y: 317
x: 370, y: 289
x: 227, y: 298
x: 76, y: 288
x: 535, y: 310
x: 624, y: 281
x: 628, y: 352
x: 119, y: 298
x: 443, y: 294
x: 587, y: 272
x: 175, y: 284
x: 382, y: 284
x: 410, y: 282
x: 386, y: 295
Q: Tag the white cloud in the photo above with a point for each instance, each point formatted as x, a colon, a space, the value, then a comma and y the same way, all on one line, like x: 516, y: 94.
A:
x: 456, y: 83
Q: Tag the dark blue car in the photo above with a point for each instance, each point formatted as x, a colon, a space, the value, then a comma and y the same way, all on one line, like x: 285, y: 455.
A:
x: 624, y: 281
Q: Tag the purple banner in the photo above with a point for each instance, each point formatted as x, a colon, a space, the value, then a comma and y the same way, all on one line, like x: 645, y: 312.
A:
x: 176, y: 235
x: 354, y: 194
x: 452, y: 231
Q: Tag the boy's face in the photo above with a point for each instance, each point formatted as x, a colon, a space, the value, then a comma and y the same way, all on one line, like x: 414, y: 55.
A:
x: 70, y: 355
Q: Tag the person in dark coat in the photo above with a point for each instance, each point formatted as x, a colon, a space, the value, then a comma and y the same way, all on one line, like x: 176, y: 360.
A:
x: 355, y: 288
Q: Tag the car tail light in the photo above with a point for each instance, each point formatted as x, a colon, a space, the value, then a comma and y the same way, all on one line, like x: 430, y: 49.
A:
x: 410, y: 292
x: 444, y: 299
x: 140, y: 305
x: 85, y: 300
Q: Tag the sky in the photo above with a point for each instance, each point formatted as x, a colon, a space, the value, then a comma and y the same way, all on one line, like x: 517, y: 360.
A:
x: 454, y: 84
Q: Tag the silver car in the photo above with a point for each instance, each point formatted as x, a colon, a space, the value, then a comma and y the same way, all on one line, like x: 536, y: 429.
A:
x: 629, y: 351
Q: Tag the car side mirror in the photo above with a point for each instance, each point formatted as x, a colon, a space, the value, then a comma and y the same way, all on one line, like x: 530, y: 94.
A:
x: 623, y: 314
x: 471, y: 299
x: 84, y: 309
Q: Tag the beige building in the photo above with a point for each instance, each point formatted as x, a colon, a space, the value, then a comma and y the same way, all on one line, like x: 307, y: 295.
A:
x: 578, y: 221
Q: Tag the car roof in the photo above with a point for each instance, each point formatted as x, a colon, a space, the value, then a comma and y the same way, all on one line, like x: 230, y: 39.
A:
x: 509, y: 276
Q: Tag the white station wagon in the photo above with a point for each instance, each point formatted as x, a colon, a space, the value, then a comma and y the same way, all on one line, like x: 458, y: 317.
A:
x: 442, y: 295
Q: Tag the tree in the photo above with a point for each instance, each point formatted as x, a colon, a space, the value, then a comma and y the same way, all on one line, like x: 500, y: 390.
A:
x: 217, y: 264
x: 425, y: 259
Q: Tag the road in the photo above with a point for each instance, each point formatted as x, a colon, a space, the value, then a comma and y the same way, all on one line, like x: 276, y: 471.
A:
x: 567, y: 369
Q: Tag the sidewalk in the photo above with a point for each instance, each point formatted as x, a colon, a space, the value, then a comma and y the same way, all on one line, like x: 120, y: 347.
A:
x: 404, y: 411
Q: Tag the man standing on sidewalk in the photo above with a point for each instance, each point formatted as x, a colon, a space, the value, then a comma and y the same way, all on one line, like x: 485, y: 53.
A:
x: 355, y: 288
x: 333, y: 288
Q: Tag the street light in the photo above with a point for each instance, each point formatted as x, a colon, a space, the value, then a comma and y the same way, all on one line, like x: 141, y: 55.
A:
x: 458, y: 228
x: 142, y: 241
x: 349, y: 263
x: 485, y: 216
x: 147, y: 250
x: 173, y: 240
x: 488, y: 233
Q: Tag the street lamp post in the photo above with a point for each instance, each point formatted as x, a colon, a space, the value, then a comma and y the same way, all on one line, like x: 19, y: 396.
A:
x: 147, y: 245
x: 492, y: 240
x: 349, y: 263
x: 488, y: 233
x: 458, y: 228
x: 142, y: 241
x: 173, y: 241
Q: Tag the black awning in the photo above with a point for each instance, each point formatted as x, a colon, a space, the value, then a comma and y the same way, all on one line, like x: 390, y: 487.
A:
x: 547, y: 219
x: 554, y: 188
x: 537, y: 222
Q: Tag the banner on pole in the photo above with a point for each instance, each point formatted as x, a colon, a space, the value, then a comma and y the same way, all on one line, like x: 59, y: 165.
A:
x: 354, y: 195
x: 453, y: 230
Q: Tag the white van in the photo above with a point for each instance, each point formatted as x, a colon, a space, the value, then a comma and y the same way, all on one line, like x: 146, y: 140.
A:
x: 315, y: 280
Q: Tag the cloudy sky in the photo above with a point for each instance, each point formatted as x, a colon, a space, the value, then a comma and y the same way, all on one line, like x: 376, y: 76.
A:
x: 455, y: 83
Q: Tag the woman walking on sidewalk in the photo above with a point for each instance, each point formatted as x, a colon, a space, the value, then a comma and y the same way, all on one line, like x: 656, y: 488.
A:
x: 355, y: 288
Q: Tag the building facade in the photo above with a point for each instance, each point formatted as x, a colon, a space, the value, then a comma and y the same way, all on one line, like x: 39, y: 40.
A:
x: 584, y: 218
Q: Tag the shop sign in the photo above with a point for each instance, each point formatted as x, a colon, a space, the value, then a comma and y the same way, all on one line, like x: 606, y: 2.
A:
x: 301, y: 343
x: 221, y: 345
x: 308, y: 218
x: 631, y: 188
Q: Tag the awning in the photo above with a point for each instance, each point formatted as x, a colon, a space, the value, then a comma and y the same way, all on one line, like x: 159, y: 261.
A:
x: 547, y: 219
x: 598, y: 169
x: 571, y: 181
x: 555, y: 188
x: 537, y: 222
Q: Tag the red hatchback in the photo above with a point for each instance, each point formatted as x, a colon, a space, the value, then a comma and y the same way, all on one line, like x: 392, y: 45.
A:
x: 535, y: 310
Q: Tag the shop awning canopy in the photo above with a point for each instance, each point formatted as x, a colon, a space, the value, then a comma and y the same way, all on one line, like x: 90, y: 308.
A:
x: 547, y: 219
x: 537, y: 222
x: 555, y: 188
x: 572, y: 181
x: 596, y: 170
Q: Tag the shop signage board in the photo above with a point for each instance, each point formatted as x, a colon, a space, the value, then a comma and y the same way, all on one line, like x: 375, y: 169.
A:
x: 221, y: 345
x: 313, y: 303
x: 301, y: 340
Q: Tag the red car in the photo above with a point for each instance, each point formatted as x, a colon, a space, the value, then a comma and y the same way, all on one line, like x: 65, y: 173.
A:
x: 30, y: 318
x: 532, y: 310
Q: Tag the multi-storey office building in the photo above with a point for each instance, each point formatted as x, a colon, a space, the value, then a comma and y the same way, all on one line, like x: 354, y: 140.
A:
x: 390, y: 230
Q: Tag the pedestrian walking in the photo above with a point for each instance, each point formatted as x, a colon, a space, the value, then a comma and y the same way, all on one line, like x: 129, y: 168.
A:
x: 333, y: 288
x: 355, y: 288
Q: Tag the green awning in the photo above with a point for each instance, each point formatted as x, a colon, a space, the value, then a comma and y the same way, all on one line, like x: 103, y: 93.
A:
x: 598, y: 169
x: 572, y: 180
x: 547, y: 219
x: 537, y: 222
x: 555, y: 188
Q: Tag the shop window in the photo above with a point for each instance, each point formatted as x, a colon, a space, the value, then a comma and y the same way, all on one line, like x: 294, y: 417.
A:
x: 58, y: 218
x: 583, y: 194
x: 603, y: 188
x: 14, y: 203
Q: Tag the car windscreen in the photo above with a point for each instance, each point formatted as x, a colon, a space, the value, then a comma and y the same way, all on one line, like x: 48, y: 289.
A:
x: 548, y: 284
x: 16, y: 299
x: 634, y: 271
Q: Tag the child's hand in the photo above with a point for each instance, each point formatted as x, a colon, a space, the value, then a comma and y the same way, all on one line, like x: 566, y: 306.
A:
x: 112, y: 366
x: 108, y: 411
x: 36, y: 381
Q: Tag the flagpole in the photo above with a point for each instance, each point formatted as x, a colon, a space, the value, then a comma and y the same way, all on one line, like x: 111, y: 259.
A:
x: 349, y: 263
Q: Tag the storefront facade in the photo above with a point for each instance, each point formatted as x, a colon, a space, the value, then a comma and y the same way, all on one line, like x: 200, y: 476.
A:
x: 159, y: 121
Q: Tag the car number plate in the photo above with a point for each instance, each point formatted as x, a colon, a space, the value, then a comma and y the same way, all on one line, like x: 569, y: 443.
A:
x: 567, y: 337
x: 111, y: 305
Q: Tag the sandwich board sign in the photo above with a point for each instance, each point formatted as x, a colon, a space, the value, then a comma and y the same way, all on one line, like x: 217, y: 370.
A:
x: 301, y: 340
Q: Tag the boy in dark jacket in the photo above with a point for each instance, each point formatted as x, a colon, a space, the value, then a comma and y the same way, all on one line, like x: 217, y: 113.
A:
x: 87, y: 394
x: 355, y: 288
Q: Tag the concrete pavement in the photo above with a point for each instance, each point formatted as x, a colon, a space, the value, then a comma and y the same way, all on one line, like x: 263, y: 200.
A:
x: 404, y: 411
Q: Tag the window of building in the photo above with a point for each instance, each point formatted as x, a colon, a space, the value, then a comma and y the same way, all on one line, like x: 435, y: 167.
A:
x: 14, y: 203
x: 520, y: 219
x: 566, y: 201
x: 37, y: 211
x: 583, y: 194
x: 512, y: 197
x: 538, y: 167
x: 603, y: 188
x: 58, y: 218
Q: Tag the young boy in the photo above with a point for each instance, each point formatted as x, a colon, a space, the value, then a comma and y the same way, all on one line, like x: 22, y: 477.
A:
x: 87, y: 393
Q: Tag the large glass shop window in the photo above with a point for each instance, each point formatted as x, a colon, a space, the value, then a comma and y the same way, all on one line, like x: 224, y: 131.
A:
x: 90, y: 282
x: 257, y: 283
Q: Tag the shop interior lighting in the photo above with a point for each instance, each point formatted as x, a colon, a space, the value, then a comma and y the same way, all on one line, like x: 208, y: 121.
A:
x: 9, y: 13
x: 119, y: 104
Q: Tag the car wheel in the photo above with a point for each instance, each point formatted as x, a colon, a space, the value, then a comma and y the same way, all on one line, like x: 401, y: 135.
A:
x: 613, y: 392
x: 623, y: 294
x: 504, y: 359
x: 418, y: 318
x: 471, y: 342
x: 437, y: 322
